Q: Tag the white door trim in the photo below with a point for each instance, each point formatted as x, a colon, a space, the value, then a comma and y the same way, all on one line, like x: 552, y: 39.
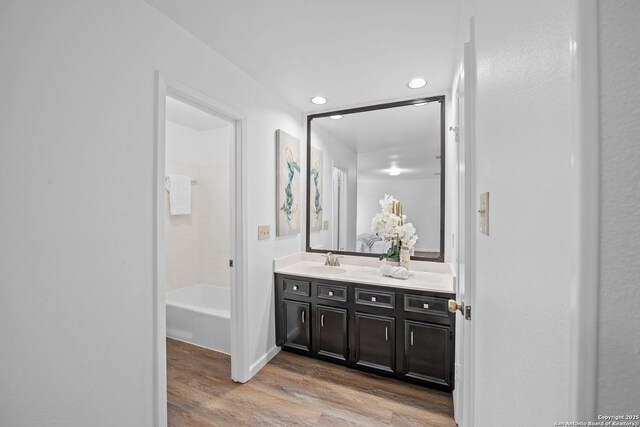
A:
x: 465, y: 89
x: 457, y: 259
x: 586, y: 234
x: 470, y: 218
x: 240, y: 370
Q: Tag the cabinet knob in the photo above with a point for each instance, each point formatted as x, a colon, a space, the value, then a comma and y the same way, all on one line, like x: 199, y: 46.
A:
x: 425, y: 306
x: 330, y: 293
x: 373, y: 299
x: 295, y: 287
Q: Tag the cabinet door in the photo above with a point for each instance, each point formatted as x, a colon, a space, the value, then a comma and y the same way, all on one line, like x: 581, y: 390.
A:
x: 374, y: 342
x: 296, y: 325
x: 331, y: 336
x: 427, y: 352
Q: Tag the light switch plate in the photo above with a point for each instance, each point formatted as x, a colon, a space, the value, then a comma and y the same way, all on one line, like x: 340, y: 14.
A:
x: 484, y: 213
x: 325, y: 225
x: 264, y: 232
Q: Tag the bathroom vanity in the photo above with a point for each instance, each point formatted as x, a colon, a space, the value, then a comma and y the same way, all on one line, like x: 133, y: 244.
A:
x: 352, y: 315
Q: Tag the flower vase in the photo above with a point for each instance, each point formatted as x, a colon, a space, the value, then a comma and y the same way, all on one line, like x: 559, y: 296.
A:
x: 392, y: 262
x: 405, y: 257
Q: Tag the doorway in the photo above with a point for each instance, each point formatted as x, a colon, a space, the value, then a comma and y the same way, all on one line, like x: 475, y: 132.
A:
x: 197, y: 226
x: 339, y: 209
x: 200, y: 242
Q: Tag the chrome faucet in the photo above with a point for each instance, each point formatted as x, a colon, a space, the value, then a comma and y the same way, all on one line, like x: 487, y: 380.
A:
x: 332, y: 260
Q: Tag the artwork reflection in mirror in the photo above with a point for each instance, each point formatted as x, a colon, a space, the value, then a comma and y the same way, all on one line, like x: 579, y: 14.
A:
x: 317, y: 176
x: 365, y: 155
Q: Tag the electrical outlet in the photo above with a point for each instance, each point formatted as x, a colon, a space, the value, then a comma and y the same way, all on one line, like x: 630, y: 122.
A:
x: 325, y: 225
x: 264, y: 232
x: 484, y: 213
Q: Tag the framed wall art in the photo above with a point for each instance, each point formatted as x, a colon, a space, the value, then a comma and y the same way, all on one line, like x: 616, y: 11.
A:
x: 287, y: 184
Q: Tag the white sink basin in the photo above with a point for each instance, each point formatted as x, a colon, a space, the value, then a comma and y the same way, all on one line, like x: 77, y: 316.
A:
x: 324, y: 269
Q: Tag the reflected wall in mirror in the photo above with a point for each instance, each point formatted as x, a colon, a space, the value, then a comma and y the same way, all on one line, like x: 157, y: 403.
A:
x: 356, y: 156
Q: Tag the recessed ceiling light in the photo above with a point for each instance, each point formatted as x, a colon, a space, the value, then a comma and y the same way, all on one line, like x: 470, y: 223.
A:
x: 417, y: 83
x: 319, y: 100
x: 336, y: 117
x: 394, y: 171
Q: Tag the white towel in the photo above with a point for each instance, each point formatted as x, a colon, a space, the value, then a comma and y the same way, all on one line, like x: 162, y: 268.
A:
x: 179, y: 194
x: 395, y: 272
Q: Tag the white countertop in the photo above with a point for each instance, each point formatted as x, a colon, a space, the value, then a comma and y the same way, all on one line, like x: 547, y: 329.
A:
x: 367, y: 271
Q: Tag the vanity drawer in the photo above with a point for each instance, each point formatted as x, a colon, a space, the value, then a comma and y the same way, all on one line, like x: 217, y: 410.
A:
x: 296, y: 287
x: 426, y: 305
x: 375, y: 298
x: 332, y: 292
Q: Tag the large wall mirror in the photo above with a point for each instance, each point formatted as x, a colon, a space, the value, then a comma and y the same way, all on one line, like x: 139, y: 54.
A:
x: 356, y: 156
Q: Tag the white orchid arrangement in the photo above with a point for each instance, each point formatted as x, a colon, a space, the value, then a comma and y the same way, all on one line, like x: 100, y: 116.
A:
x: 390, y: 225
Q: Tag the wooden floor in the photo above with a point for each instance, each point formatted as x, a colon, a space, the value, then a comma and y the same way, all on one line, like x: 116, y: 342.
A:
x: 293, y: 390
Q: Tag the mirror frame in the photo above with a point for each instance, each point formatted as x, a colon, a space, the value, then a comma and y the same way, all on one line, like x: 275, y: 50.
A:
x: 311, y: 117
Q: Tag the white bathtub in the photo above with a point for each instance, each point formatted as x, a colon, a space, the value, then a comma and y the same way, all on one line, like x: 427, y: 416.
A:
x: 200, y: 315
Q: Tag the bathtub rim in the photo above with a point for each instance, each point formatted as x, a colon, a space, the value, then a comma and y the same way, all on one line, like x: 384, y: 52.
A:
x: 226, y: 313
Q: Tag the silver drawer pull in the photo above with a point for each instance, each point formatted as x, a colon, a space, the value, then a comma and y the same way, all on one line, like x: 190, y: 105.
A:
x: 322, y: 321
x: 425, y: 306
x: 330, y: 293
x: 303, y: 316
x: 295, y: 287
x: 411, y: 337
x: 373, y: 299
x: 386, y: 333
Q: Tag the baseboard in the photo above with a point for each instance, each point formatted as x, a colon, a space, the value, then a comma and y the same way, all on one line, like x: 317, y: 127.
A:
x: 262, y: 361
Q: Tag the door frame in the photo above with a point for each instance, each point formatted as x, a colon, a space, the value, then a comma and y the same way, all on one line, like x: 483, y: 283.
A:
x: 470, y: 222
x: 240, y: 370
x: 464, y: 392
x: 583, y: 346
x: 340, y: 207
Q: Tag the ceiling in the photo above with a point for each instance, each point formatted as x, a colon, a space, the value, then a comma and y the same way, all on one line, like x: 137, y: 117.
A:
x: 407, y: 138
x: 192, y: 117
x: 351, y: 52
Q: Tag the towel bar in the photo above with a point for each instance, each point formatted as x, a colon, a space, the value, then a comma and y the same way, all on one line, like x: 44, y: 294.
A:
x: 166, y: 182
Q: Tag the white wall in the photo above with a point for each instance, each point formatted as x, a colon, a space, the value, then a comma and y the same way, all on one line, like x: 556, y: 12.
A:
x: 186, y: 145
x: 182, y: 233
x: 215, y: 210
x: 524, y: 140
x: 619, y: 334
x: 420, y: 200
x: 77, y: 126
x: 335, y: 153
x: 197, y: 245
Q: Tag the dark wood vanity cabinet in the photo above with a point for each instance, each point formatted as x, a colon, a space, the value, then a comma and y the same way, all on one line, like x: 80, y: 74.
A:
x: 331, y: 333
x: 294, y: 320
x: 396, y: 332
x: 374, y: 344
x: 297, y: 333
x: 427, y: 351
